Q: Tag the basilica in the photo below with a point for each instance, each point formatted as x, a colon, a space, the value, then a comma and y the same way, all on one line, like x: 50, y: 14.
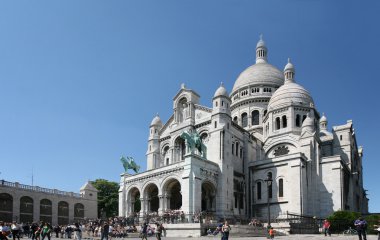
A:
x: 266, y: 147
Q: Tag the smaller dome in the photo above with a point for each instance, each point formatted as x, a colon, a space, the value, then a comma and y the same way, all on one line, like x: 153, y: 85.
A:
x: 156, y: 121
x: 323, y: 119
x: 221, y: 91
x: 308, y: 124
x: 290, y: 93
x: 289, y: 66
x: 261, y: 43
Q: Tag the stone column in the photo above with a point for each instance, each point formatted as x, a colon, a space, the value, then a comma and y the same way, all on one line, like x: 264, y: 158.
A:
x: 160, y: 204
x: 36, y: 209
x: 54, y: 211
x: 16, y: 207
x: 71, y: 212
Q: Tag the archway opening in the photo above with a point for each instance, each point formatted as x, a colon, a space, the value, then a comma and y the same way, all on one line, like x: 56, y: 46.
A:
x: 63, y: 213
x: 6, y: 207
x: 208, y: 197
x: 151, y: 193
x: 134, y: 200
x: 26, y: 209
x: 173, y: 194
x: 46, y: 210
x: 78, y: 212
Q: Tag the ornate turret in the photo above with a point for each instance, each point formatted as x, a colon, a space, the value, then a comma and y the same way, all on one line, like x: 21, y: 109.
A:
x: 289, y: 72
x: 221, y: 101
x: 153, y: 153
x: 261, y: 51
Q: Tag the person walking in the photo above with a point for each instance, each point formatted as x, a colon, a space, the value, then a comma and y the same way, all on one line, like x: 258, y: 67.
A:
x: 377, y: 228
x: 105, y: 231
x: 326, y: 227
x: 15, y: 228
x: 226, y: 231
x: 361, y: 227
x: 45, y: 231
x: 77, y: 232
x: 271, y: 233
x: 144, y: 231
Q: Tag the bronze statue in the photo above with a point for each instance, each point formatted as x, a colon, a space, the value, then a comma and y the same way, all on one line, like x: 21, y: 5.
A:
x: 194, y: 141
x: 129, y: 163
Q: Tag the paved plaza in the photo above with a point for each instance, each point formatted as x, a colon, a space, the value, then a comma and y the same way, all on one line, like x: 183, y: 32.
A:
x: 291, y: 237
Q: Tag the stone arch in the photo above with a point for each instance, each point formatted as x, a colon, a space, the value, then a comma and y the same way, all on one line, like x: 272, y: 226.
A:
x: 182, y: 109
x: 179, y: 149
x: 255, y: 119
x: 78, y: 212
x: 133, y: 199
x: 244, y: 119
x: 165, y: 153
x: 26, y: 209
x: 63, y: 213
x: 151, y: 199
x: 172, y: 193
x: 6, y: 207
x: 46, y: 210
x: 208, y: 199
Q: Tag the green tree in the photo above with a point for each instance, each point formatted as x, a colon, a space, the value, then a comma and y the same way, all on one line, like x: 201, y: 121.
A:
x: 342, y: 220
x: 108, y: 197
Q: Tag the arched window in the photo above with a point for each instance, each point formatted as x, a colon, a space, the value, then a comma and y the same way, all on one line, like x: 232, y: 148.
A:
x: 303, y: 118
x: 298, y: 120
x: 270, y: 193
x: 244, y: 120
x: 216, y: 103
x: 278, y: 125
x: 265, y: 112
x: 259, y: 190
x: 237, y: 149
x: 280, y: 187
x: 235, y: 120
x: 233, y: 148
x: 255, y: 117
x: 284, y: 122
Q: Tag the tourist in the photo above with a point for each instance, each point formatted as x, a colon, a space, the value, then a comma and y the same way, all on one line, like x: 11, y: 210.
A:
x: 57, y: 230
x: 15, y: 228
x: 225, y: 231
x: 144, y: 231
x: 377, y: 228
x: 271, y: 233
x: 105, y: 231
x: 77, y: 232
x: 4, y: 231
x: 158, y: 231
x: 34, y: 229
x: 326, y: 227
x: 361, y: 227
x: 45, y: 231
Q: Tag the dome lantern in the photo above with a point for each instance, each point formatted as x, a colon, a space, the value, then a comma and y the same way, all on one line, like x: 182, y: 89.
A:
x: 323, y: 122
x: 289, y: 72
x: 261, y: 51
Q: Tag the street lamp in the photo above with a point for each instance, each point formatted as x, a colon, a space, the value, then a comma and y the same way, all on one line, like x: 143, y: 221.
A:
x: 269, y: 185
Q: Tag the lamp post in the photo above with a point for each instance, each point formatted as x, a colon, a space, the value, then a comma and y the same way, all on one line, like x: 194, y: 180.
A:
x: 269, y: 184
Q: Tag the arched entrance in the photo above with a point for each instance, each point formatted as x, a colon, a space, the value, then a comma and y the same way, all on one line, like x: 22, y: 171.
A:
x: 78, y: 212
x: 26, y: 209
x: 172, y: 194
x: 6, y: 207
x: 151, y: 198
x: 208, y: 196
x: 63, y: 213
x: 134, y: 200
x: 45, y: 210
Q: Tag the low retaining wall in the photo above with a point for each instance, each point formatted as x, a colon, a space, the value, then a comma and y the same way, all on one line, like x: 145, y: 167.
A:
x: 183, y: 230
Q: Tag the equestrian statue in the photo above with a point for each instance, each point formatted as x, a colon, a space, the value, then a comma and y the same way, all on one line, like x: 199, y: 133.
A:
x: 130, y: 163
x: 194, y: 141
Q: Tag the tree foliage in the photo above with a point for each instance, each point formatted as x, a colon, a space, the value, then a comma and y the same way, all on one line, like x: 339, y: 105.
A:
x: 342, y: 220
x: 108, y: 197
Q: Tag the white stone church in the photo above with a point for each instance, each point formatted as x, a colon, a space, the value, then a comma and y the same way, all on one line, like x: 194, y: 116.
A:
x: 267, y: 128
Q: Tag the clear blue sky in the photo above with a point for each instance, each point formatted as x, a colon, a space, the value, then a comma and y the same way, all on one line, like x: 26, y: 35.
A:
x: 80, y: 81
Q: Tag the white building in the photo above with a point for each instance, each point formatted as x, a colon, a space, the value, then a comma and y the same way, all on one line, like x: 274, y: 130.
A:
x: 267, y: 126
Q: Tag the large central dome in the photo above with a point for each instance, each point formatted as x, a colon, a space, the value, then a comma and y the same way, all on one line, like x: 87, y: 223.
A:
x: 259, y: 74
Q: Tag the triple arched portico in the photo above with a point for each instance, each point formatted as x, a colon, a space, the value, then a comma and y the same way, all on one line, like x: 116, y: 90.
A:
x: 161, y: 196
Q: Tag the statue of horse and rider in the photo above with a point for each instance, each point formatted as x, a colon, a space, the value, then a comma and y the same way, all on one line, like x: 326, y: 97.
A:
x: 194, y: 141
x: 130, y: 163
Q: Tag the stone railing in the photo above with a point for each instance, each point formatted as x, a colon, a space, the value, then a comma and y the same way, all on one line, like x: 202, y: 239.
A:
x: 4, y: 183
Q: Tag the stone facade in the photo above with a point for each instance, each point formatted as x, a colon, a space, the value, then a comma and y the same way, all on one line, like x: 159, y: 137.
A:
x: 24, y: 203
x: 267, y: 128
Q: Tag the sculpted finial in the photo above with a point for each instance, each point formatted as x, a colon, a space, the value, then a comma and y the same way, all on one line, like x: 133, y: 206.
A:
x: 261, y: 37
